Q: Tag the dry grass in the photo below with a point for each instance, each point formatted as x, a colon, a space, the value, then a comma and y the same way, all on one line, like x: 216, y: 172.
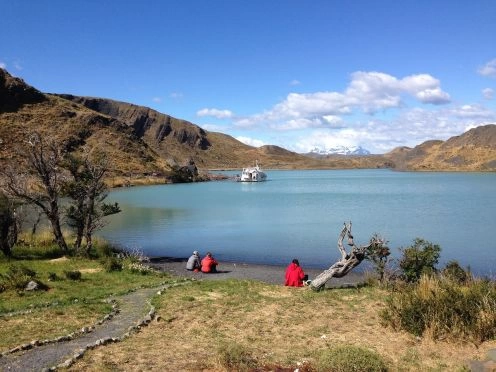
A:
x: 277, y: 326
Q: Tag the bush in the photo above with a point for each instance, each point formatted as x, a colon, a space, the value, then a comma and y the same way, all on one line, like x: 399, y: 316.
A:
x: 442, y: 308
x: 73, y: 275
x: 419, y: 259
x: 235, y: 357
x: 112, y: 264
x: 455, y: 272
x: 16, y: 277
x: 350, y: 358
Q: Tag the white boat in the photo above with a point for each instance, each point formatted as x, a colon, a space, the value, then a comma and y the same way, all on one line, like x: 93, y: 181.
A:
x: 253, y: 174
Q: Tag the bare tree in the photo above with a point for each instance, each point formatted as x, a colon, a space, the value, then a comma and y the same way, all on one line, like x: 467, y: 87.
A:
x: 348, y: 261
x: 42, y: 185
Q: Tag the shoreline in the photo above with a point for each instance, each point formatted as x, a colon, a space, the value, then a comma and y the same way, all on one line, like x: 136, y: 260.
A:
x: 270, y: 274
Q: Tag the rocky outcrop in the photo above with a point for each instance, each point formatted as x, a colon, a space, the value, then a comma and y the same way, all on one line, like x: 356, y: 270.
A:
x: 154, y: 127
x: 14, y: 93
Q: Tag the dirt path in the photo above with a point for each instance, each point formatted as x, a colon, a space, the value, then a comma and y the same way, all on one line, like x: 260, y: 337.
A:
x: 133, y: 308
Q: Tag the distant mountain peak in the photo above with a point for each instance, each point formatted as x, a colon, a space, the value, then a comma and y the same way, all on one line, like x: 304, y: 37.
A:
x: 340, y: 150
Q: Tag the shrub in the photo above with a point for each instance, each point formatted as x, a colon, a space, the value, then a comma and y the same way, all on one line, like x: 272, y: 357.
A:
x: 235, y: 357
x: 442, y: 308
x: 419, y: 259
x: 73, y: 274
x: 378, y: 252
x: 112, y: 264
x: 16, y: 277
x: 455, y: 272
x: 350, y: 358
x: 139, y: 268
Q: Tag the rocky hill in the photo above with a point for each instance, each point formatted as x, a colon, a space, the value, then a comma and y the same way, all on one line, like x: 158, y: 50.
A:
x: 475, y: 150
x: 141, y: 141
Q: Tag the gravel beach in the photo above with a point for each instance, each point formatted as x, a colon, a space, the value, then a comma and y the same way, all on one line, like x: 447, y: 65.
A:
x: 236, y: 270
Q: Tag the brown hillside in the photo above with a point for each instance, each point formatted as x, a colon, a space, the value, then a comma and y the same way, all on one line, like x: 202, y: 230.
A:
x: 142, y: 141
x: 474, y: 150
x: 64, y: 121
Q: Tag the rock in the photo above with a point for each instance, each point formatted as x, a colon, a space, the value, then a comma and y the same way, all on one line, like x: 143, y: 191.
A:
x: 32, y: 286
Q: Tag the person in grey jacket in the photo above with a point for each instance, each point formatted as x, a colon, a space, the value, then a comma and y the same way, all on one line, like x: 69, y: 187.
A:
x: 194, y: 262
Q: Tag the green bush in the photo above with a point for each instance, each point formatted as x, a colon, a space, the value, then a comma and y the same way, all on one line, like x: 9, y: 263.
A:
x: 16, y: 277
x: 73, y: 274
x: 419, y: 259
x: 455, y: 272
x: 112, y: 264
x: 444, y: 309
x: 350, y: 358
x: 235, y: 357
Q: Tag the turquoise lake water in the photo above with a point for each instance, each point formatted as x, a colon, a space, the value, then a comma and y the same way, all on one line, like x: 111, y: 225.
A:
x: 300, y: 214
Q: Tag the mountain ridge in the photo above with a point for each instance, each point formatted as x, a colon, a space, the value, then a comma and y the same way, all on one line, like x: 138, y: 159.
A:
x: 143, y: 141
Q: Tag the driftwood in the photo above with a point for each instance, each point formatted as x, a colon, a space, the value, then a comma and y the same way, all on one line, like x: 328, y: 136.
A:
x: 347, y: 262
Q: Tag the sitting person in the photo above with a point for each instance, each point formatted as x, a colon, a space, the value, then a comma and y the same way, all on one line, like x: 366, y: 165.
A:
x: 294, y: 275
x: 194, y: 263
x: 209, y: 264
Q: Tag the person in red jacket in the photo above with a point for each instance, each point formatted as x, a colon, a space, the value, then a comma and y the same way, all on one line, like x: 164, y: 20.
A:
x: 294, y: 274
x: 209, y: 264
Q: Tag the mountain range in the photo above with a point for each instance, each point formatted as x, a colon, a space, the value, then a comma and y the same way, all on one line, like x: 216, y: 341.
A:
x: 142, y: 142
x: 339, y: 150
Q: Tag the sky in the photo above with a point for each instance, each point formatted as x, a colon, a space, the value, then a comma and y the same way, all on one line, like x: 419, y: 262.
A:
x: 300, y: 74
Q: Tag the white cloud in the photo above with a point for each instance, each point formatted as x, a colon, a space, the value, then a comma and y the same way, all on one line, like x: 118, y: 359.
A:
x: 214, y: 127
x: 157, y: 99
x: 367, y: 92
x: 489, y: 69
x: 294, y: 82
x: 488, y: 93
x: 219, y: 114
x: 250, y: 141
x: 3, y: 65
x: 176, y: 95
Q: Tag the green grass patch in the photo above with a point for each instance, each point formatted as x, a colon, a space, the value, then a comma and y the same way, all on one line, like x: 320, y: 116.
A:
x: 350, y: 359
x: 75, y: 292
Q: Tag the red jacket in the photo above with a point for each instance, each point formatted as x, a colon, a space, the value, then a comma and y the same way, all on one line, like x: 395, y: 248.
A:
x: 294, y: 275
x: 208, y: 263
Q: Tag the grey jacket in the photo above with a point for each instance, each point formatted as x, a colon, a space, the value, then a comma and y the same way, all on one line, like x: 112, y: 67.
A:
x: 193, y: 263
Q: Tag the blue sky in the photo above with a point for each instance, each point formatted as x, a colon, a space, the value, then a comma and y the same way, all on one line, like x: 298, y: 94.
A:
x: 298, y: 74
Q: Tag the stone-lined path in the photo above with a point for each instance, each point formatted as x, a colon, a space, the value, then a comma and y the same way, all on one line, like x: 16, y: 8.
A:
x: 134, y: 310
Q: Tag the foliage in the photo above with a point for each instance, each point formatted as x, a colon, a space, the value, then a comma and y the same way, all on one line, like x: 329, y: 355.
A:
x: 72, y: 274
x: 8, y: 225
x: 350, y: 358
x: 444, y: 308
x: 455, y: 272
x: 419, y: 259
x: 234, y: 357
x: 16, y: 277
x: 112, y: 264
x: 87, y: 192
x: 378, y: 252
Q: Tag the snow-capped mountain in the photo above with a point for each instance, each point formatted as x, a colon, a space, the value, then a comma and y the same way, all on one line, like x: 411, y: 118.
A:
x: 341, y: 150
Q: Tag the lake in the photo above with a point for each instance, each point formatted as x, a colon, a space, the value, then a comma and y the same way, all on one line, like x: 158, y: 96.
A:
x: 300, y: 214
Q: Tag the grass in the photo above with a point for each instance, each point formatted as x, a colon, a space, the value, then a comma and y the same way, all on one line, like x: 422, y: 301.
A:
x: 236, y: 325
x: 444, y: 308
x: 68, y: 304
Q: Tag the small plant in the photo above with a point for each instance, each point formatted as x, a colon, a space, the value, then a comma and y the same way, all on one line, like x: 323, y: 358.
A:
x: 52, y: 277
x: 378, y: 252
x: 112, y: 264
x: 455, y: 272
x: 419, y: 259
x: 17, y: 277
x: 350, y: 358
x: 139, y: 268
x: 235, y: 357
x: 73, y: 274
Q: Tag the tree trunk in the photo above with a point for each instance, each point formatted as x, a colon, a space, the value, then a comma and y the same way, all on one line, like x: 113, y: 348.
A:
x: 347, y: 262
